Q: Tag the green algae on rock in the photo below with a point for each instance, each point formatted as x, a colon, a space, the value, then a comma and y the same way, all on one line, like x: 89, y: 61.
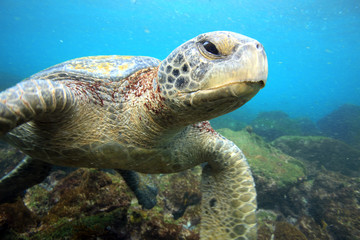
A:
x: 274, y: 171
x: 286, y: 231
x: 333, y: 154
x: 86, y: 192
x: 92, y: 204
x: 265, y: 160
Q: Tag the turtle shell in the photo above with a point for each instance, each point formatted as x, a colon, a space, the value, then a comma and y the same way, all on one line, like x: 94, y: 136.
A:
x: 108, y: 68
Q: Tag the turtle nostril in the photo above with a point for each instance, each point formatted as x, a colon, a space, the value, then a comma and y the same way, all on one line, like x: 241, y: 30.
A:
x: 262, y: 84
x: 259, y: 46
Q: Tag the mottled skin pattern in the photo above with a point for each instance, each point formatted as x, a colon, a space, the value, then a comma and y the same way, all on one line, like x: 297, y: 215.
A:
x: 132, y: 113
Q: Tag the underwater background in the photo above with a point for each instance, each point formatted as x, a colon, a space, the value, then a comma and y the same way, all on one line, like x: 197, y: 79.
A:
x: 301, y: 133
x: 312, y: 46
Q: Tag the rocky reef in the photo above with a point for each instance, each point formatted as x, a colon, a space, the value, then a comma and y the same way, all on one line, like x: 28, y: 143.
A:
x: 274, y: 124
x: 326, y: 206
x: 89, y: 204
x: 343, y: 124
x: 333, y: 154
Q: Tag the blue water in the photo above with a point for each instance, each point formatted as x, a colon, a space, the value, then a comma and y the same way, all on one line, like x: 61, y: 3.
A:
x: 312, y: 46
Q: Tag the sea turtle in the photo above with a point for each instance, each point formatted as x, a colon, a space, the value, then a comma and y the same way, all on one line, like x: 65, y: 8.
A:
x: 140, y: 114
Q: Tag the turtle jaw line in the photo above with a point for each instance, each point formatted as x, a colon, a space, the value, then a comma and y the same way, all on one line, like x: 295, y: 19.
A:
x: 261, y: 83
x: 239, y: 90
x: 232, y: 93
x: 231, y: 86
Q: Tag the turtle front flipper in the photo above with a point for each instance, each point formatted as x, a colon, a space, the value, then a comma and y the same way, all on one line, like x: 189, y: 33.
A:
x: 228, y: 195
x: 31, y: 99
x: 145, y: 194
x: 27, y: 173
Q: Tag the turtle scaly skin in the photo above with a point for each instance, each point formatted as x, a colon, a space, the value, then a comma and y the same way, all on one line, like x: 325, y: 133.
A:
x: 137, y: 114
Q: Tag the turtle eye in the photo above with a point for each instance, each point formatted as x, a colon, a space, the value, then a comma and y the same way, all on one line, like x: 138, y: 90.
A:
x: 209, y: 50
x: 210, y: 47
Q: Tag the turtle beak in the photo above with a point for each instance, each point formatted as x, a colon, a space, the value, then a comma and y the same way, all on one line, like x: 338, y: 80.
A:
x: 251, y: 67
x: 240, y: 78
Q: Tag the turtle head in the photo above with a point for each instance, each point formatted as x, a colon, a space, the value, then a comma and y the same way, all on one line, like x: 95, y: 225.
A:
x: 213, y: 74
